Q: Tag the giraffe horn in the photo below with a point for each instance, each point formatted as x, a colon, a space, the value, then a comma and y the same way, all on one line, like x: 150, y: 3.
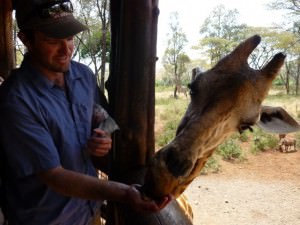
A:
x: 243, y: 50
x: 273, y: 67
x: 240, y: 54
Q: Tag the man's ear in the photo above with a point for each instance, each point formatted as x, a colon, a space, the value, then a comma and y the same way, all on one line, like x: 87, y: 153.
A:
x: 22, y: 36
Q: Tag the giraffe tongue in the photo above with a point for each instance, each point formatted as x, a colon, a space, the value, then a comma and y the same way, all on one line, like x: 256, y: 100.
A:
x: 159, y: 201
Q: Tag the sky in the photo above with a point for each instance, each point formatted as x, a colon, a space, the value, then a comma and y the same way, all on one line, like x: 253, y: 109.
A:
x: 192, y: 14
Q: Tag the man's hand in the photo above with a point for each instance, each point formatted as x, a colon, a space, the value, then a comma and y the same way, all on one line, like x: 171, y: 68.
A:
x: 139, y: 203
x: 99, y: 144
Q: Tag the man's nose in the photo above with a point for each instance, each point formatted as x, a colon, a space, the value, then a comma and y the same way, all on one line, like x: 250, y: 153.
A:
x: 64, y: 47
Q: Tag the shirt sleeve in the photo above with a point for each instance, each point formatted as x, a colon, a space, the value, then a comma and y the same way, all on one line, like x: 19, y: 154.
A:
x: 28, y: 146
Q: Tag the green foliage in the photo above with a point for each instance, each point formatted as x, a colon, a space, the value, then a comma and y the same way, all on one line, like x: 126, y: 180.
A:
x: 93, y: 45
x: 173, y: 110
x: 212, y: 165
x: 168, y: 134
x: 297, y: 137
x: 174, y: 58
x: 278, y: 82
x: 161, y: 87
x: 244, y: 137
x: 298, y: 114
x: 262, y: 141
x: 164, y: 82
x: 231, y: 150
x: 221, y: 33
x: 291, y: 5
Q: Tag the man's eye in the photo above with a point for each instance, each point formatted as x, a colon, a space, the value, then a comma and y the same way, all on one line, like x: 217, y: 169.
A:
x: 52, y: 42
x: 70, y: 38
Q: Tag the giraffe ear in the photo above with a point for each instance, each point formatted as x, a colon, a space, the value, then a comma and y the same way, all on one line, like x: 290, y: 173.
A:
x: 277, y: 120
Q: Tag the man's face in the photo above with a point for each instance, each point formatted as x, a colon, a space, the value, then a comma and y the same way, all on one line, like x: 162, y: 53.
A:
x: 50, y: 54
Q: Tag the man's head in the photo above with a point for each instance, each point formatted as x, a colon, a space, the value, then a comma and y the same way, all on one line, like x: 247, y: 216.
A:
x: 54, y: 18
x: 47, y: 28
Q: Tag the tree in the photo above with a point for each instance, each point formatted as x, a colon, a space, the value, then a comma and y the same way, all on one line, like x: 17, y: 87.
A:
x: 94, y: 44
x: 103, y: 10
x: 221, y: 33
x: 293, y: 6
x: 290, y: 41
x: 266, y: 49
x: 174, y: 59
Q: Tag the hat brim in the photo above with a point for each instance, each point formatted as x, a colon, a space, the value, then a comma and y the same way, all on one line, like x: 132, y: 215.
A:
x: 62, y: 28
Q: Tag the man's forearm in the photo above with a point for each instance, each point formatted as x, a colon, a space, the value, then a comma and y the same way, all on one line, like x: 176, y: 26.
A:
x: 78, y: 185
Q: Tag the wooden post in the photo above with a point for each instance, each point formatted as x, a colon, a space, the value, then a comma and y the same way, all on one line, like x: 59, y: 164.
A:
x: 131, y: 84
x: 131, y: 92
x: 6, y: 38
x: 130, y: 88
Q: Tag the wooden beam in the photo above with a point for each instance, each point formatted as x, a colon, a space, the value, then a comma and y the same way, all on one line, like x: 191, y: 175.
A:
x: 130, y: 89
x: 131, y: 84
x: 6, y: 38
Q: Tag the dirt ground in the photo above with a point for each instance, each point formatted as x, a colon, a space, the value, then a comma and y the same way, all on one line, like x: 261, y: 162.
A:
x: 264, y: 190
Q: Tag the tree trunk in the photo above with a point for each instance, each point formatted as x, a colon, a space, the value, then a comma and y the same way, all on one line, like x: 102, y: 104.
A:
x: 286, y: 79
x: 6, y: 38
x: 297, y: 77
x: 105, y: 25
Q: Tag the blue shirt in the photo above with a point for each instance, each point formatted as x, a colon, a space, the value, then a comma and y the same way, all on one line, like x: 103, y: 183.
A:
x: 43, y: 127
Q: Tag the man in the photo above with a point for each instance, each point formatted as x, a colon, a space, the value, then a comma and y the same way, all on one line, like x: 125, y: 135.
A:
x: 46, y: 112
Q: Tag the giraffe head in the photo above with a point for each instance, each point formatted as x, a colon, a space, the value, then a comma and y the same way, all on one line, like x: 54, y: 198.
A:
x: 224, y: 99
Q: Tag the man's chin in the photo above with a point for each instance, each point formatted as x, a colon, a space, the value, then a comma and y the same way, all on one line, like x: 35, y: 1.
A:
x: 62, y: 68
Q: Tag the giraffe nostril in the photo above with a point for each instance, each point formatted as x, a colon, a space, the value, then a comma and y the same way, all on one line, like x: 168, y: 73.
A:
x: 177, y: 166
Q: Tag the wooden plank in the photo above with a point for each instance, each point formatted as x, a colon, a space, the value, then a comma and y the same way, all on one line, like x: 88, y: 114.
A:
x: 131, y: 92
x: 6, y: 38
x: 131, y: 84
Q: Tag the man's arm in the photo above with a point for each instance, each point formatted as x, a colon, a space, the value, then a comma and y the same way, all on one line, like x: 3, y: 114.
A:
x: 78, y: 185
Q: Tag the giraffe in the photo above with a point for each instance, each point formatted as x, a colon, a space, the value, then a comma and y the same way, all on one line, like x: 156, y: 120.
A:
x: 287, y: 144
x: 224, y: 99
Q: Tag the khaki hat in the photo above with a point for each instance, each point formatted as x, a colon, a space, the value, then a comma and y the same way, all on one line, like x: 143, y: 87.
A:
x: 54, y: 18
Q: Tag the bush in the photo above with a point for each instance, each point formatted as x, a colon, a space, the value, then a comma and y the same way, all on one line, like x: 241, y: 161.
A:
x: 212, y: 165
x: 171, y: 111
x: 297, y: 114
x: 244, y: 136
x: 263, y: 141
x: 231, y: 150
x: 168, y: 134
x: 297, y: 137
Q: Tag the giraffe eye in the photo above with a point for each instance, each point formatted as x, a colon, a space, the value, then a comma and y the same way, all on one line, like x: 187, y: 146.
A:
x: 245, y: 126
x: 192, y: 88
